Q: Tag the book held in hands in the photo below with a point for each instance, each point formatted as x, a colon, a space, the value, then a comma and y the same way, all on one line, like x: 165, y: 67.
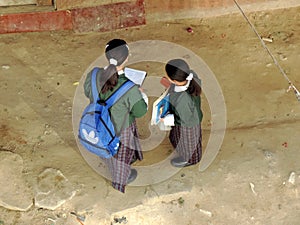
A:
x: 160, y: 112
x: 136, y: 76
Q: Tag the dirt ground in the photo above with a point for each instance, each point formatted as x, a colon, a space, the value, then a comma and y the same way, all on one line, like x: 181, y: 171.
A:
x: 248, y: 182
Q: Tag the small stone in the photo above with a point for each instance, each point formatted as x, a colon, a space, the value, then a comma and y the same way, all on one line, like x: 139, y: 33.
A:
x: 223, y: 35
x: 53, y: 189
x: 269, y: 65
x: 282, y: 57
x: 266, y: 39
x: 15, y: 194
x: 292, y: 178
x: 208, y: 213
x: 47, y: 132
x: 5, y: 67
x: 252, y: 188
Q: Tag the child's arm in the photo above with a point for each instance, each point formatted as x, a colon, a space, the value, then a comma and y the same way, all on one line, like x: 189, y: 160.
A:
x: 186, y: 110
x: 88, y: 86
x: 136, y: 102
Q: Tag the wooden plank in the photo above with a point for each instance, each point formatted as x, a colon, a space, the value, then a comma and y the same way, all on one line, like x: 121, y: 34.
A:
x: 32, y: 22
x: 44, y: 2
x: 100, y: 18
x: 16, y: 2
x: 73, y: 4
x: 109, y: 17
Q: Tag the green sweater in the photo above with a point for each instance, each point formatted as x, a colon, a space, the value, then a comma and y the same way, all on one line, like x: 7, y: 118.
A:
x: 130, y: 106
x: 185, y: 107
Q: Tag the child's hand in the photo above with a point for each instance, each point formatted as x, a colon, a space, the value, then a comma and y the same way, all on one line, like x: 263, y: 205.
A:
x: 145, y: 97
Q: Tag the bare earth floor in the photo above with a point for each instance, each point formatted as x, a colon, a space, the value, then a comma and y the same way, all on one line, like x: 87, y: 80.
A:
x: 255, y: 178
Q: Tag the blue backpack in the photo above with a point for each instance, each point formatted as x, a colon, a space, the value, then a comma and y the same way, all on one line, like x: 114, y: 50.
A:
x: 96, y: 130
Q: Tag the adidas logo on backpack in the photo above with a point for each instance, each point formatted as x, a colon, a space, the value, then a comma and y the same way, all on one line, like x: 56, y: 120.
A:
x: 96, y: 130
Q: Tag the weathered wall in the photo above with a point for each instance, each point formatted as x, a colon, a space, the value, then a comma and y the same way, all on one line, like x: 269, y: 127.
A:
x: 16, y: 2
x: 107, y: 15
x: 98, y: 18
x: 154, y: 6
x: 172, y: 9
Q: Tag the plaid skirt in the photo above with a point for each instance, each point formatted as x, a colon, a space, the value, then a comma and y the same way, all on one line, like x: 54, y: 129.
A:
x: 129, y: 151
x: 187, y: 141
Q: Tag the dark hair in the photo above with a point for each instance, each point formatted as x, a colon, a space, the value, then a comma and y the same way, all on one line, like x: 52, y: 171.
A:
x: 116, y: 52
x: 178, y: 69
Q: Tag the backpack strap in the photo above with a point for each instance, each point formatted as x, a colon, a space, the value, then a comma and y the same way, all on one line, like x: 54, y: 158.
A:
x: 115, y: 96
x: 95, y: 92
x: 119, y: 93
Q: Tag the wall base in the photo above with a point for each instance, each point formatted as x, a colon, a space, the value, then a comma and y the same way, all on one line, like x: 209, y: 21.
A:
x: 129, y: 13
x: 99, y: 18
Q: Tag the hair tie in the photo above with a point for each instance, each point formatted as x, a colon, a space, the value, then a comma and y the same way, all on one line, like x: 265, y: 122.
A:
x: 112, y: 61
x: 190, y: 76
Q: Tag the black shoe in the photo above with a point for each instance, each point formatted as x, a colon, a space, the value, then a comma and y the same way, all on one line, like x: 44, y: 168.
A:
x: 179, y: 162
x: 132, y: 176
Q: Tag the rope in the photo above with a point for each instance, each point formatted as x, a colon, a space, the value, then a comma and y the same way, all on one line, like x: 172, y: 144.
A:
x: 291, y: 86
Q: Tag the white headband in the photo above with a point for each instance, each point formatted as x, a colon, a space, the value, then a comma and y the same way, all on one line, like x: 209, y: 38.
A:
x: 190, y: 76
x: 112, y: 61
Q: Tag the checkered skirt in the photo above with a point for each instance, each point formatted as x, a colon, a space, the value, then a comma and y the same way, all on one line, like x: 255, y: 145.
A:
x: 187, y: 141
x: 129, y: 150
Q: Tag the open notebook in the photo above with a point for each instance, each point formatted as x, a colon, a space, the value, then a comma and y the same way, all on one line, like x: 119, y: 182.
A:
x: 136, y: 76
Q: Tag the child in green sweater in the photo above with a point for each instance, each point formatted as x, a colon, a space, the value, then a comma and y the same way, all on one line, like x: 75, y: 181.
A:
x: 185, y: 105
x: 133, y: 104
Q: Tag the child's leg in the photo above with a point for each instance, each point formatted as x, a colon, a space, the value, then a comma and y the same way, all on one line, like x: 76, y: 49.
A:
x: 187, y: 141
x: 129, y: 149
x: 120, y: 168
x: 197, y: 154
